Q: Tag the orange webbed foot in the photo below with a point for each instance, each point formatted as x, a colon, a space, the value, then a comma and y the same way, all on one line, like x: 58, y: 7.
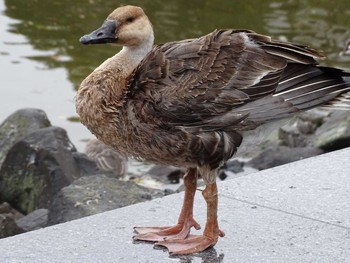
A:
x: 192, y: 244
x: 155, y: 234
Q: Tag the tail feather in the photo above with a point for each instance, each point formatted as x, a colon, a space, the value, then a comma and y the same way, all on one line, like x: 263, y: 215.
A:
x: 341, y: 102
x: 307, y: 86
x: 301, y: 87
x: 293, y: 52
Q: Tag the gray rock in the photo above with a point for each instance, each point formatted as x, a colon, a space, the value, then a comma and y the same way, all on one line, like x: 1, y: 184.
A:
x: 95, y: 194
x: 166, y: 174
x: 279, y: 155
x: 334, y: 134
x: 233, y: 166
x: 200, y: 184
x: 6, y: 208
x: 35, y: 220
x: 8, y: 226
x: 36, y: 168
x: 86, y: 165
x: 299, y: 132
x: 292, y: 136
x: 18, y: 125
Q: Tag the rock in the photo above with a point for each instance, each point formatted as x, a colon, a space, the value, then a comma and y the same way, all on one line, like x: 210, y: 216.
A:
x: 148, y: 182
x: 200, y: 184
x: 279, y: 155
x: 35, y: 220
x: 107, y: 159
x: 222, y: 175
x: 292, y: 137
x: 334, y: 133
x: 36, y: 168
x: 18, y: 125
x: 8, y: 226
x: 299, y: 132
x: 166, y: 174
x: 5, y: 208
x: 85, y: 164
x: 301, y: 129
x: 95, y: 194
x: 296, y: 134
x: 233, y: 166
x: 316, y: 116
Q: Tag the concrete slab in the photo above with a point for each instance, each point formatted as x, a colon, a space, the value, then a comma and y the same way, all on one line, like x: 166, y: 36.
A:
x: 298, y: 212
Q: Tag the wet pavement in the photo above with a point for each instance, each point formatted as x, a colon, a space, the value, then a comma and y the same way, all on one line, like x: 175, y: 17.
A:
x: 298, y: 212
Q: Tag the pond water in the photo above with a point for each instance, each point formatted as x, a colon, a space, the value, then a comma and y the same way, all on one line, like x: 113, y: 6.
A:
x: 42, y: 62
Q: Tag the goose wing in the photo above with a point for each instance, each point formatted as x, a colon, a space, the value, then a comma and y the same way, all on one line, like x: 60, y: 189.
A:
x: 191, y: 82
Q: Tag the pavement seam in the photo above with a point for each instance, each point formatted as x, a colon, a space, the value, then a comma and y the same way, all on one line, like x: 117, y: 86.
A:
x: 283, y: 211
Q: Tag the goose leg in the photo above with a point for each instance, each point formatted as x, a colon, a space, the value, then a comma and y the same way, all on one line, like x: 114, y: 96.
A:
x: 194, y: 243
x: 185, y: 221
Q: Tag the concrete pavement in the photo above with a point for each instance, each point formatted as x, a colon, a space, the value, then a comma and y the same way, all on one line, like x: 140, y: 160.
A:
x: 299, y: 212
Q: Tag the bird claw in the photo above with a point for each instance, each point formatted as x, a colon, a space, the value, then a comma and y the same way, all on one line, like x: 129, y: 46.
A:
x: 151, y: 234
x: 192, y: 244
x: 155, y: 234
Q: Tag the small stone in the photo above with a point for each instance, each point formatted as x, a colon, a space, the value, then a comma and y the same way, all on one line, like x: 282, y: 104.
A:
x: 166, y: 174
x: 8, y: 226
x: 35, y: 220
x: 234, y: 166
x: 6, y: 208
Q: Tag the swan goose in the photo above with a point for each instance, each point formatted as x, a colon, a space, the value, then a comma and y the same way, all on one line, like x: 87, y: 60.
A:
x: 188, y: 103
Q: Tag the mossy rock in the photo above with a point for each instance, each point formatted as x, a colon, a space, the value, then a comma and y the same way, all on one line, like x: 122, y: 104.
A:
x: 36, y: 168
x: 18, y: 125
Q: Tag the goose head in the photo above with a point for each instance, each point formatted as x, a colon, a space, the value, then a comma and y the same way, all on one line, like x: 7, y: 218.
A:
x: 126, y: 26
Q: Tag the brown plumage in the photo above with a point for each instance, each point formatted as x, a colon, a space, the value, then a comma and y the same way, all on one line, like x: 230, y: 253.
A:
x: 189, y: 103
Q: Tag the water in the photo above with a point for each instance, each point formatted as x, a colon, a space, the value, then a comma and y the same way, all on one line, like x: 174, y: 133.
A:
x: 42, y: 62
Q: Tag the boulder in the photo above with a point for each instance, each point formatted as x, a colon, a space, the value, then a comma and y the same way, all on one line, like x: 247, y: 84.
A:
x: 18, y: 125
x: 300, y: 131
x: 85, y: 164
x: 6, y: 208
x: 166, y: 174
x: 334, y: 133
x: 233, y: 166
x: 8, y: 226
x: 278, y: 155
x: 36, y: 168
x: 95, y: 194
x: 33, y: 221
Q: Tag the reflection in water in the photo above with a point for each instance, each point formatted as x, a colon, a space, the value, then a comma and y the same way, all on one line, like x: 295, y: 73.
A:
x: 208, y: 256
x: 54, y: 27
x: 57, y: 25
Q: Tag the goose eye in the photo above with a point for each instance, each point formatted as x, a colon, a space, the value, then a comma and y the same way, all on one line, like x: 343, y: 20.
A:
x: 130, y: 19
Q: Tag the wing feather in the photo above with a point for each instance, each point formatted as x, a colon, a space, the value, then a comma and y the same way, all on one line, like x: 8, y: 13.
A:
x: 192, y: 81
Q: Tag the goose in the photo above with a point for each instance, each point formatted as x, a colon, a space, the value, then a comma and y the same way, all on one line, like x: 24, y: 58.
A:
x: 189, y: 103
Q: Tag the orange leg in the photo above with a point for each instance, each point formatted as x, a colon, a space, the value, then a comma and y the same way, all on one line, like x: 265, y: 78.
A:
x: 185, y: 221
x: 194, y: 243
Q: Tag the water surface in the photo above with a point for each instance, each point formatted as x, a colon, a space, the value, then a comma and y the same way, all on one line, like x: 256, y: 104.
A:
x: 42, y: 62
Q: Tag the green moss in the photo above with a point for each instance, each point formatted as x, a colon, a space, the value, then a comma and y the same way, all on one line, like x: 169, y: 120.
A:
x: 22, y: 188
x: 31, y: 189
